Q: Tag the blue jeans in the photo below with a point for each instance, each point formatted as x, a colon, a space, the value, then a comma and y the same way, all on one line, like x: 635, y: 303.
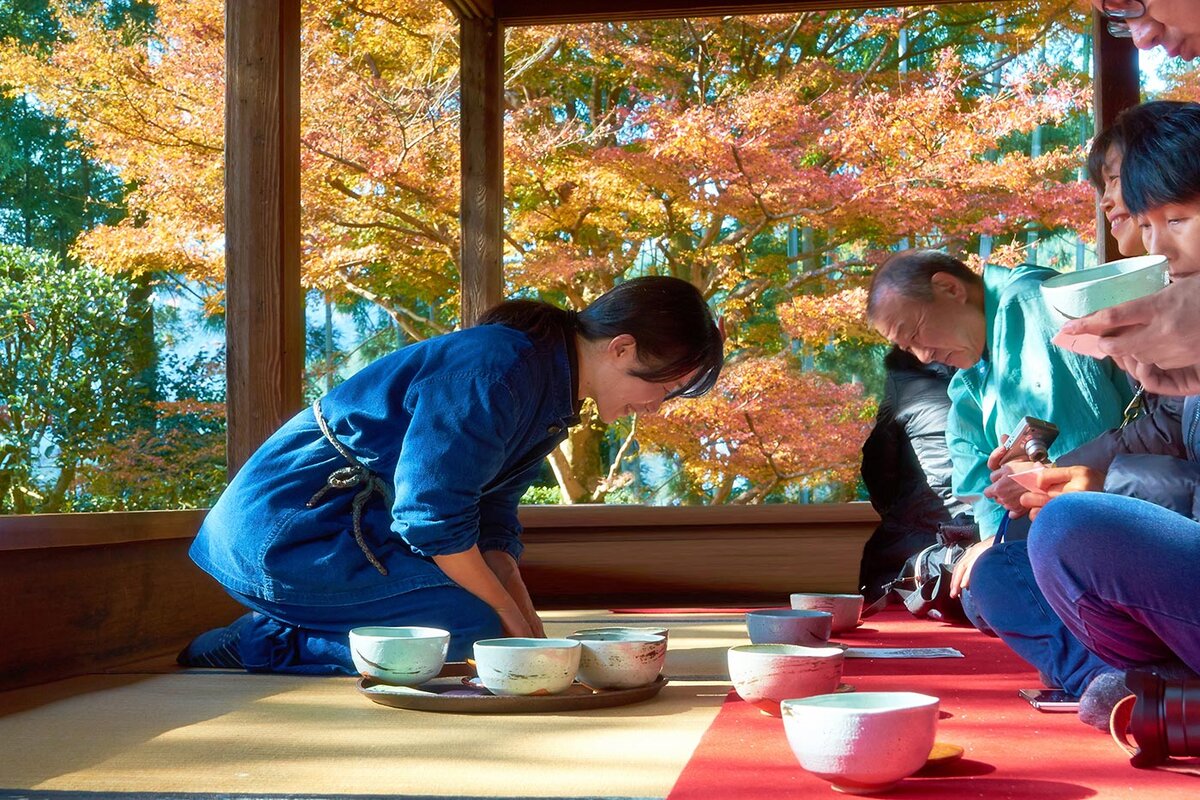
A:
x: 314, y: 640
x: 1004, y: 599
x: 1122, y: 573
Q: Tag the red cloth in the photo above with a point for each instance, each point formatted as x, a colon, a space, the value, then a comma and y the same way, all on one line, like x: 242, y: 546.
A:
x: 682, y: 611
x: 1012, y: 750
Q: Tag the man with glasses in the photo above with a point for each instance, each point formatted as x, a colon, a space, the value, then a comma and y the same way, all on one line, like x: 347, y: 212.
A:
x: 1154, y: 338
x: 1172, y: 24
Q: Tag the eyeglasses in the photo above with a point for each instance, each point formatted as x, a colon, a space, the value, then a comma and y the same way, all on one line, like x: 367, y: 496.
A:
x: 1119, y: 12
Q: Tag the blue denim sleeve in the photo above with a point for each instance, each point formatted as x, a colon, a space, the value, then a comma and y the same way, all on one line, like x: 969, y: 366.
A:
x: 499, y: 527
x: 460, y: 436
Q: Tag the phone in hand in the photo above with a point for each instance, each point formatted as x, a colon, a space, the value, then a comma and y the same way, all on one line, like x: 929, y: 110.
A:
x: 1050, y: 699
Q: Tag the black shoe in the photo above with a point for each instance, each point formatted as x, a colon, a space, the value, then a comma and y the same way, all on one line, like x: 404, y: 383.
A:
x: 217, y: 648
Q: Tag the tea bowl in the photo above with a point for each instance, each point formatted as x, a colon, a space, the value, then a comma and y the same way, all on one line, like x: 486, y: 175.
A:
x: 789, y: 626
x: 1077, y: 294
x: 846, y: 608
x: 514, y: 666
x: 653, y: 631
x: 619, y: 659
x: 864, y: 742
x: 764, y: 675
x: 405, y: 656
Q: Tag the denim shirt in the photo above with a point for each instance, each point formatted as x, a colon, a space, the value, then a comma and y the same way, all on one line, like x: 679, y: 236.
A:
x: 1023, y: 374
x: 456, y: 427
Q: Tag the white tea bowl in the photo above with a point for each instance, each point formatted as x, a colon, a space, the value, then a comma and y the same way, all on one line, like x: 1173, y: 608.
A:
x: 846, y: 608
x: 405, y: 656
x: 634, y: 629
x: 514, y: 666
x: 864, y: 742
x: 789, y: 626
x: 1086, y: 291
x: 765, y: 675
x: 619, y: 659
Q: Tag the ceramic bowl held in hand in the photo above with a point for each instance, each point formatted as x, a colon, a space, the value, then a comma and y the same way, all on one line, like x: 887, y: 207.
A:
x: 527, y: 666
x: 619, y: 659
x: 1086, y: 291
x: 789, y: 626
x: 846, y: 608
x: 405, y: 656
x: 864, y: 742
x: 764, y: 675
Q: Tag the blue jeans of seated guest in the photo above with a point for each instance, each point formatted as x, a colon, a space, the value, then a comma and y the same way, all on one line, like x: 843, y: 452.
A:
x: 1004, y: 599
x: 314, y: 640
x: 1122, y: 573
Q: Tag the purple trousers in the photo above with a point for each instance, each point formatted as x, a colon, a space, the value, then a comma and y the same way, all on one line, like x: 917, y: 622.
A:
x: 1123, y: 575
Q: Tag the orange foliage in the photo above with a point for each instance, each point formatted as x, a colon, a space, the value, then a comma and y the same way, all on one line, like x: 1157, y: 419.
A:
x: 770, y: 424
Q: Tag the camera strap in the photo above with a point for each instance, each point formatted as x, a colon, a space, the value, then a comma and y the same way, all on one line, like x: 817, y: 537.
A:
x: 1118, y: 726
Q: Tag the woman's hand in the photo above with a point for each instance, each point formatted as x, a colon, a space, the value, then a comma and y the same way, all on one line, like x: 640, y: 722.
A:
x: 475, y: 572
x: 1054, y: 481
x: 1004, y: 490
x: 508, y: 573
x: 961, y: 579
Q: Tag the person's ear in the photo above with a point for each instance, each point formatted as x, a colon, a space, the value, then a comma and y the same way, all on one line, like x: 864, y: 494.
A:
x: 622, y: 346
x: 946, y: 285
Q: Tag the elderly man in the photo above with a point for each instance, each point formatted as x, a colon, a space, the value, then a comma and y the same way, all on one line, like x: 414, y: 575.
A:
x: 1154, y: 338
x: 996, y: 329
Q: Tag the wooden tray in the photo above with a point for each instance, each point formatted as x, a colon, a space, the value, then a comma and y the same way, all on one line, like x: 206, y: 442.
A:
x: 453, y: 695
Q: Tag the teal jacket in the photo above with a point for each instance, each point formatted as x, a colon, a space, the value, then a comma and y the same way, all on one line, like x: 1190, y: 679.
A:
x: 1023, y: 374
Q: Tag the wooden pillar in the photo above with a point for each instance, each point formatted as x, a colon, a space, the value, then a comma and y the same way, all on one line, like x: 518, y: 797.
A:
x: 1115, y: 78
x: 264, y: 322
x: 481, y: 82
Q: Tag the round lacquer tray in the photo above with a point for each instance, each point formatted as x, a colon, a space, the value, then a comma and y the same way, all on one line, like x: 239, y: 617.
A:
x: 454, y: 692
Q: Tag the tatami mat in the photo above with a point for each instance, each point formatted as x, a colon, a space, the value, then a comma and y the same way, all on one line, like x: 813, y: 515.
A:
x: 217, y: 732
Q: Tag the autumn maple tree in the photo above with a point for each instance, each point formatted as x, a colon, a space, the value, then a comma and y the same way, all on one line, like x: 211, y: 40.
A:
x: 772, y: 161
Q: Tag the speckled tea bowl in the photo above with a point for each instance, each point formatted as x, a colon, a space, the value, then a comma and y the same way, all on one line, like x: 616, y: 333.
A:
x: 846, y: 608
x: 1077, y: 294
x: 636, y: 629
x: 619, y: 659
x: 527, y: 666
x: 765, y: 675
x: 864, y: 742
x: 405, y: 656
x: 789, y: 626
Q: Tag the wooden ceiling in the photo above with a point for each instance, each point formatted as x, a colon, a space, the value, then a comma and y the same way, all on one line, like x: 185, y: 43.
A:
x: 545, y: 12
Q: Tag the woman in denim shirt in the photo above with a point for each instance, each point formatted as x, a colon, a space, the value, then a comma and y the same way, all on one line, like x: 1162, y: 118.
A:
x: 393, y: 499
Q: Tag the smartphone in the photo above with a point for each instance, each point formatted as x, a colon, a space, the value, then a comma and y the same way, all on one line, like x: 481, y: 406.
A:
x: 1050, y: 699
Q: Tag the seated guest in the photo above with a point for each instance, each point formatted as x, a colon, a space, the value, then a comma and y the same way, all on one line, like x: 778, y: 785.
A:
x: 1121, y: 571
x: 906, y: 469
x: 1152, y: 423
x: 1155, y: 336
x: 997, y: 330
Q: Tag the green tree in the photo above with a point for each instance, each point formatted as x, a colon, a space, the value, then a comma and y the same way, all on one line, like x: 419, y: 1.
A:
x: 62, y: 392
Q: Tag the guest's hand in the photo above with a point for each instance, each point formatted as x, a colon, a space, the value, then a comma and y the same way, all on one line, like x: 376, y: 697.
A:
x: 1160, y: 329
x: 961, y: 579
x: 1054, y: 481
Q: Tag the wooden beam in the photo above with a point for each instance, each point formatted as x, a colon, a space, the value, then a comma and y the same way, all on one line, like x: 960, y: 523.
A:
x: 1115, y: 87
x: 264, y: 323
x: 481, y: 84
x: 547, y: 12
x: 471, y: 9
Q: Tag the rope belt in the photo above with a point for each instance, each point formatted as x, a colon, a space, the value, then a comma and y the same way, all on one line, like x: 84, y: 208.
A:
x: 347, y: 478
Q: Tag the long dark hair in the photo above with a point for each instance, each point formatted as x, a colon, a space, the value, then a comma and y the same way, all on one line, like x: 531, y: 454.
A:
x: 675, y: 331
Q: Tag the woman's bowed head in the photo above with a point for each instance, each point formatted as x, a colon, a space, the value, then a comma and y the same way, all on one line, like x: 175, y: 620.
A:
x: 643, y: 342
